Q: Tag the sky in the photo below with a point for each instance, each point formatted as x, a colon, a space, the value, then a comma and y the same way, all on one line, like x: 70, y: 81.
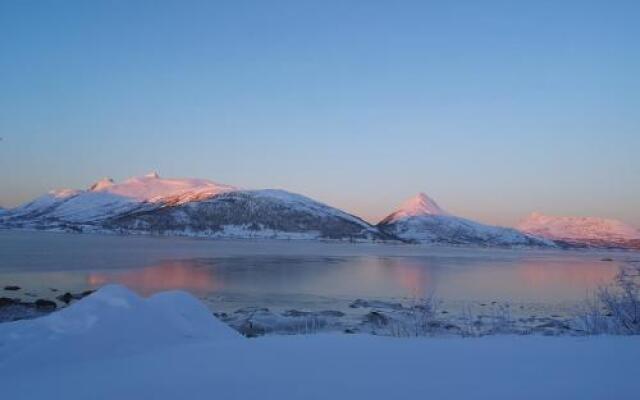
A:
x: 494, y: 108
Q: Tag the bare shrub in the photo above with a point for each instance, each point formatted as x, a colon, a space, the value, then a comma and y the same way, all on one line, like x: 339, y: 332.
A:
x: 614, y: 309
x: 420, y: 319
x: 499, y: 320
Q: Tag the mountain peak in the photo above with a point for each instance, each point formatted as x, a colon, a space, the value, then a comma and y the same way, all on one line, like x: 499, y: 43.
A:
x: 417, y: 206
x: 421, y: 204
x: 152, y: 175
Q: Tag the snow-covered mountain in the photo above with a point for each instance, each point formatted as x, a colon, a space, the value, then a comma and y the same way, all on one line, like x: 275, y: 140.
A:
x: 421, y: 219
x: 106, y: 199
x: 586, y: 230
x: 250, y: 213
x: 194, y: 207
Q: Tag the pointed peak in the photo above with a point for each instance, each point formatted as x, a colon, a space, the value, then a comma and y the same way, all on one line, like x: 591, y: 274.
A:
x: 101, y: 184
x: 152, y: 175
x: 421, y: 204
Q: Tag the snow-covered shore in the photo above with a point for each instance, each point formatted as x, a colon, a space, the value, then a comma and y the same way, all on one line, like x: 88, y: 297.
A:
x: 114, y: 344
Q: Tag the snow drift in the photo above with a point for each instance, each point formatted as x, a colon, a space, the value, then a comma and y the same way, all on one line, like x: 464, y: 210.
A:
x: 111, y: 322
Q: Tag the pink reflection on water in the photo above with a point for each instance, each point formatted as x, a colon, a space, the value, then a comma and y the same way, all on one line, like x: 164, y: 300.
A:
x: 414, y: 279
x: 585, y: 275
x: 166, y: 276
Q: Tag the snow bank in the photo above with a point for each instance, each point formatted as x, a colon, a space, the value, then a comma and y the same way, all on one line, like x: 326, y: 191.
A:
x: 112, y: 322
x: 115, y: 345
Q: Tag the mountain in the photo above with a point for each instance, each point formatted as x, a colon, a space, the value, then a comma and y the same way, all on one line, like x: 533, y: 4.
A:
x: 250, y: 213
x: 106, y: 199
x: 421, y: 219
x: 591, y: 231
x: 191, y: 207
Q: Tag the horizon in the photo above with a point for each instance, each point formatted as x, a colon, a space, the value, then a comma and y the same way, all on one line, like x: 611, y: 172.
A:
x: 494, y: 110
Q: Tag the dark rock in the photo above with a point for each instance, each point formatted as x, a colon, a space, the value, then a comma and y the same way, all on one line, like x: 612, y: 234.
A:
x: 65, y: 298
x: 12, y: 287
x: 554, y: 324
x: 6, y: 301
x: 332, y: 313
x: 251, y: 310
x: 85, y: 294
x: 295, y: 313
x: 250, y: 329
x: 45, y: 305
x: 360, y: 303
x: 325, y: 313
x: 376, y: 318
x: 607, y: 259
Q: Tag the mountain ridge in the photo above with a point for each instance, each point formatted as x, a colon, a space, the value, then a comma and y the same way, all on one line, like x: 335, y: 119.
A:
x: 150, y: 204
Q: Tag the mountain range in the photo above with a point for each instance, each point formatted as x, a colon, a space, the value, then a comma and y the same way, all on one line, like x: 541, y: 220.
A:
x: 196, y: 207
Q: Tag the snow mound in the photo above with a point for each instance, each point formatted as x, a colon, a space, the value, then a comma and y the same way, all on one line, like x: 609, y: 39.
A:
x: 111, y: 322
x: 578, y: 228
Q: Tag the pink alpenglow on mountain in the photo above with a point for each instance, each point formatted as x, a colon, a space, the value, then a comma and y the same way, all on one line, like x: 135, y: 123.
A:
x: 106, y: 198
x: 188, y: 207
x: 152, y: 188
x: 420, y: 219
x: 419, y: 205
x: 589, y: 230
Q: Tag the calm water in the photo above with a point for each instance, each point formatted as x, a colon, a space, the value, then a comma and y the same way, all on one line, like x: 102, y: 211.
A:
x: 298, y: 274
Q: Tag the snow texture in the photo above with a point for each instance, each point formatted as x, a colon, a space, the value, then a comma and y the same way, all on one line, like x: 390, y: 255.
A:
x: 115, y: 345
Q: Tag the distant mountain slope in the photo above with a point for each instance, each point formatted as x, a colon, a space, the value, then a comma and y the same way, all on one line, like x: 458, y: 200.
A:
x: 420, y: 219
x: 253, y: 214
x: 586, y: 230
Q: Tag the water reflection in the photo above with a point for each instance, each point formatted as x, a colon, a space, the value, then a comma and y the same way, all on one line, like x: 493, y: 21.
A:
x: 186, y: 275
x: 535, y: 280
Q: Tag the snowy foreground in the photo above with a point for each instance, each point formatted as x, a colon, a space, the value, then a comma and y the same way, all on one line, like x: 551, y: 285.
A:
x: 116, y: 345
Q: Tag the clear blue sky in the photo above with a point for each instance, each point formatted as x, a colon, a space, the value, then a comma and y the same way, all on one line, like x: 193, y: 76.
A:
x: 494, y: 108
